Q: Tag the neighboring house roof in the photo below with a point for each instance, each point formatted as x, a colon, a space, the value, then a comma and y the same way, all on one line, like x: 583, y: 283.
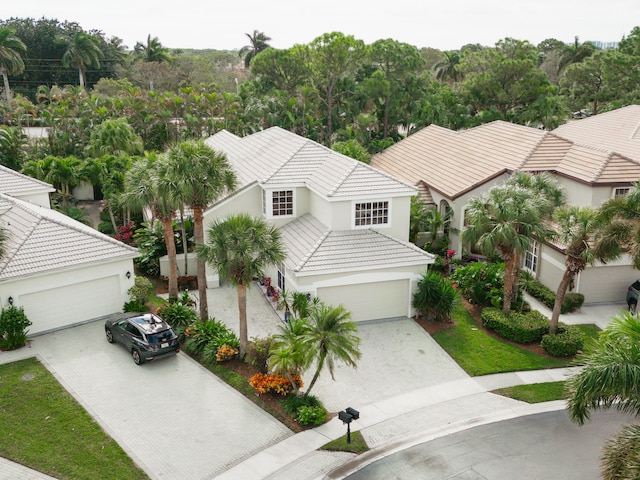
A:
x: 41, y: 240
x: 617, y: 131
x: 16, y: 184
x: 454, y: 163
x: 278, y: 157
x: 313, y: 248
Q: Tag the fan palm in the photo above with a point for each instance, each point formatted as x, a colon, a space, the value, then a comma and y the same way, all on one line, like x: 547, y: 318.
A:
x: 201, y: 175
x: 240, y: 248
x: 610, y: 378
x: 11, y: 63
x: 82, y: 51
x: 330, y: 338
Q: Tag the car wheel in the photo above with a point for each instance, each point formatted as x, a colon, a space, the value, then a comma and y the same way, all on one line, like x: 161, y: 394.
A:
x: 137, y: 358
x: 633, y: 307
x: 109, y: 335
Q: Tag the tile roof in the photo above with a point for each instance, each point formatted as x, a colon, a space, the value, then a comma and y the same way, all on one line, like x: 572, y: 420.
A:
x: 41, y: 240
x: 278, y: 157
x: 454, y: 163
x: 313, y: 248
x: 616, y: 131
x: 15, y: 183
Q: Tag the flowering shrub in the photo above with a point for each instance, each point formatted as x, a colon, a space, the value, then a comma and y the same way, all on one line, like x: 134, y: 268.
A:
x: 226, y: 352
x: 125, y: 234
x: 273, y: 383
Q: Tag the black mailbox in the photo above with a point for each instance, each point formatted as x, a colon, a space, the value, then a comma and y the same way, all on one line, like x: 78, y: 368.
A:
x: 353, y: 412
x: 345, y: 417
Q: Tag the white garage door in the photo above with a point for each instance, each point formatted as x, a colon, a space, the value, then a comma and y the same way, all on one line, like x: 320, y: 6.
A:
x: 606, y: 284
x: 369, y: 301
x: 59, y: 307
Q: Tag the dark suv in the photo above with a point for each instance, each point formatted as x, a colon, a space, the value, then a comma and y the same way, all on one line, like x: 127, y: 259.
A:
x: 145, y: 335
x: 632, y: 295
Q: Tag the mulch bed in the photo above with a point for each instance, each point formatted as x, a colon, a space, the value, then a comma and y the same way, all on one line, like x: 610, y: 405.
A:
x: 432, y: 327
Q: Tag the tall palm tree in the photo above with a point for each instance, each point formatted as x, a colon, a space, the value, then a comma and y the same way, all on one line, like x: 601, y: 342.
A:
x: 240, y: 248
x: 621, y: 233
x: 609, y: 379
x: 258, y: 42
x: 11, y: 63
x: 576, y: 228
x: 147, y: 185
x: 503, y: 221
x: 201, y: 175
x: 447, y: 70
x: 152, y: 51
x: 575, y: 52
x: 330, y: 338
x: 82, y: 51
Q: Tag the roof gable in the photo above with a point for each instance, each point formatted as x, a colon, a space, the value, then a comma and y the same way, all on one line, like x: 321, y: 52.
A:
x: 41, y: 240
x: 16, y: 184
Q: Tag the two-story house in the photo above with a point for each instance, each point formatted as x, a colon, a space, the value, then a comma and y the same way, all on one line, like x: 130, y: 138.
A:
x: 592, y: 159
x: 344, y: 224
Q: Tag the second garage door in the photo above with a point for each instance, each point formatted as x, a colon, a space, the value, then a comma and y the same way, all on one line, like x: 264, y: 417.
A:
x: 369, y: 301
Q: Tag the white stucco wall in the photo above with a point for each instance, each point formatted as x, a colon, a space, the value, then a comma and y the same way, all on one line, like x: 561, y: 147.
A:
x: 40, y: 198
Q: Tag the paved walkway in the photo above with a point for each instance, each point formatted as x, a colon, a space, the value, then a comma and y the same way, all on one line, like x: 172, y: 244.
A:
x: 406, y: 388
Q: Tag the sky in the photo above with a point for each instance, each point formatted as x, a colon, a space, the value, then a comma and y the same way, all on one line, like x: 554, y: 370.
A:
x: 442, y: 24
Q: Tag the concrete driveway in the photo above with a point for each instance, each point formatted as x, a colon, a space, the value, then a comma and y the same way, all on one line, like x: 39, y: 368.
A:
x: 172, y: 416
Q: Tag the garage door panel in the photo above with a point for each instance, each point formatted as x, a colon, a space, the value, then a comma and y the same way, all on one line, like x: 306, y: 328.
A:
x: 59, y: 307
x: 370, y: 301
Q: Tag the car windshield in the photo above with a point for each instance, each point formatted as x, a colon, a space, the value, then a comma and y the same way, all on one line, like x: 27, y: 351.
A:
x: 161, y: 336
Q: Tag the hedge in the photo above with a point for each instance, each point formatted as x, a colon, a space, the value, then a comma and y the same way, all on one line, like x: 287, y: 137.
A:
x: 572, y: 301
x: 521, y: 328
x: 566, y: 343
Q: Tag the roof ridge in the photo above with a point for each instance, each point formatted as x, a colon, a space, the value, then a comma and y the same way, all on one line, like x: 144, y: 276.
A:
x: 313, y: 250
x: 533, y: 150
x: 285, y: 161
x: 343, y: 179
x: 401, y: 242
x: 6, y: 259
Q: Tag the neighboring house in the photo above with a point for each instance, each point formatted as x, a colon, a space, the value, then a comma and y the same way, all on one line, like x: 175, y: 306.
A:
x: 592, y: 159
x: 60, y: 271
x: 345, y: 225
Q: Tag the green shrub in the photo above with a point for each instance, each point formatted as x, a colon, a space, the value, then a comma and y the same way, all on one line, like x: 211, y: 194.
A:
x: 178, y: 316
x: 142, y: 290
x: 572, y: 301
x: 566, y: 343
x: 521, y: 328
x: 435, y: 297
x: 292, y: 403
x: 134, y: 306
x: 481, y: 283
x: 258, y: 352
x: 312, y: 415
x: 209, y: 336
x: 13, y: 328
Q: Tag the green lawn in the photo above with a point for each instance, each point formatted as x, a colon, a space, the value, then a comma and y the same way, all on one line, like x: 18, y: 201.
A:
x: 534, y: 393
x: 43, y: 427
x: 480, y: 354
x: 357, y: 445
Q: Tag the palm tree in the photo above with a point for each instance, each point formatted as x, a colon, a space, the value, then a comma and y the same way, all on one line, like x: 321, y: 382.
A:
x: 575, y: 52
x: 331, y: 337
x: 240, y: 248
x: 609, y: 378
x: 621, y: 231
x: 575, y: 230
x: 201, y: 175
x: 447, y: 70
x: 147, y: 185
x: 152, y: 51
x: 114, y: 137
x: 82, y: 51
x: 11, y: 63
x: 503, y: 221
x: 288, y: 355
x: 258, y: 43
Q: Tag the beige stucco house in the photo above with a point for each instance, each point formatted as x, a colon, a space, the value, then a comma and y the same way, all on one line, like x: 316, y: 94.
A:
x: 345, y: 225
x: 60, y: 271
x: 593, y: 159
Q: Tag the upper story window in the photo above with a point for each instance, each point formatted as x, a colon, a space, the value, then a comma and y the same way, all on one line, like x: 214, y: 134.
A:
x: 372, y: 213
x: 531, y: 257
x: 620, y: 192
x: 282, y: 202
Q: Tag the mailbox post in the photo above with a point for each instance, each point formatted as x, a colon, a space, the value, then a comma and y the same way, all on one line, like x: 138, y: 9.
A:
x: 347, y: 415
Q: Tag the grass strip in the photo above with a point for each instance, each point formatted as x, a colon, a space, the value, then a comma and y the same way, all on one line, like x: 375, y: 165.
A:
x: 534, y: 393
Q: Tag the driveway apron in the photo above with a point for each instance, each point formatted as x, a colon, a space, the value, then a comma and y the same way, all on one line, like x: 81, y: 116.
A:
x: 172, y: 416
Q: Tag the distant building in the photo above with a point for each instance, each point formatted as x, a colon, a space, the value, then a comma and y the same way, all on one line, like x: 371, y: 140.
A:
x: 605, y: 45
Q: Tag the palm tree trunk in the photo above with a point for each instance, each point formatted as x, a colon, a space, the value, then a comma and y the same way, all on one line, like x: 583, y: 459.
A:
x: 294, y: 385
x: 169, y: 240
x: 185, y: 250
x: 80, y: 74
x: 560, y: 294
x: 7, y: 92
x: 508, y: 284
x: 202, y: 273
x: 242, y: 314
x: 317, y: 374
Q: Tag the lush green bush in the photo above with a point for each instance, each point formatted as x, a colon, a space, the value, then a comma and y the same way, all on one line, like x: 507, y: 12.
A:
x: 435, y: 297
x: 134, y: 306
x: 312, y: 415
x: 521, y: 328
x: 306, y: 410
x: 292, y: 403
x: 205, y: 338
x: 572, y: 301
x: 13, y: 328
x: 258, y: 352
x: 142, y: 290
x: 567, y: 342
x: 481, y: 283
x: 150, y: 243
x: 178, y: 316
